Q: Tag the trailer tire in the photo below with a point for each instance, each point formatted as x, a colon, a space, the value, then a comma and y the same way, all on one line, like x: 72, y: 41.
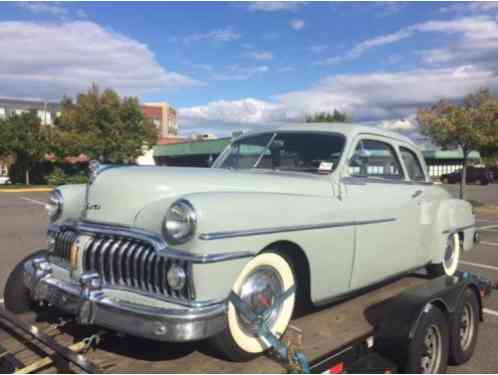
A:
x: 451, y: 257
x: 464, y: 328
x: 235, y: 342
x: 16, y: 296
x: 428, y: 350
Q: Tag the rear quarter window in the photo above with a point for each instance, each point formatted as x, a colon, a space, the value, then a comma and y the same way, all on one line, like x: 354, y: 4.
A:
x: 412, y: 164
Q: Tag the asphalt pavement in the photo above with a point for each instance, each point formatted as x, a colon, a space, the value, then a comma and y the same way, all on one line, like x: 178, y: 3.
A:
x: 23, y: 225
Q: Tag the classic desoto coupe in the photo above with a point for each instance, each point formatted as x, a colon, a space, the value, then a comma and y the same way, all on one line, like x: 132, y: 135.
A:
x: 315, y: 210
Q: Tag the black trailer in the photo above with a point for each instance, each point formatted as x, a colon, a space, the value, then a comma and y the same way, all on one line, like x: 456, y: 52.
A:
x: 410, y: 324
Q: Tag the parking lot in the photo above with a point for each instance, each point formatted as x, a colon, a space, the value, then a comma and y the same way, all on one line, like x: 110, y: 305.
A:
x: 23, y: 224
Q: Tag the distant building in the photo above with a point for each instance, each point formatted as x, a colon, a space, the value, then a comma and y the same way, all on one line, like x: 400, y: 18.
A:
x: 46, y: 111
x: 163, y: 116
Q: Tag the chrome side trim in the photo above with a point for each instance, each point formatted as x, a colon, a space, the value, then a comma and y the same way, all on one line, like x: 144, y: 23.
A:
x: 450, y: 231
x: 263, y: 231
x: 160, y: 246
x: 363, y: 180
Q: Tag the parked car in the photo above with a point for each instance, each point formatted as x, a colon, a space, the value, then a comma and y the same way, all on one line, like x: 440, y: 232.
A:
x: 494, y: 173
x: 475, y: 175
x: 4, y: 180
x: 315, y: 211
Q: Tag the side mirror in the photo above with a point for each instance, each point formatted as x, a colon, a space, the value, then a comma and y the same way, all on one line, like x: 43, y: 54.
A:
x: 277, y: 145
x: 359, y: 158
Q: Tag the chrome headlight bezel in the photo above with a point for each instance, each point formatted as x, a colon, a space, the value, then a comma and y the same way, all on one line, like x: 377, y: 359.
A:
x: 181, y: 212
x: 55, y: 205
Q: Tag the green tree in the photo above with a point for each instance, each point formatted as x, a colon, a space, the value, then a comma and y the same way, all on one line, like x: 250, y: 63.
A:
x: 335, y: 116
x: 472, y: 125
x: 103, y: 126
x: 24, y: 138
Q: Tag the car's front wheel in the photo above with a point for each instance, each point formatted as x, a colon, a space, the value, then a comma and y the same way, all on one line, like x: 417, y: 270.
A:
x: 16, y: 296
x: 451, y: 257
x: 261, y: 282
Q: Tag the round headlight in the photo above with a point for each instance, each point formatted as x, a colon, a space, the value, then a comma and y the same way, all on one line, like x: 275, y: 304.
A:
x: 179, y: 222
x: 54, y: 205
x: 176, y: 277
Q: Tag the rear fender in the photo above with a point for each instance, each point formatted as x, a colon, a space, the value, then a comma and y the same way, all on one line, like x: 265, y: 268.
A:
x: 453, y: 216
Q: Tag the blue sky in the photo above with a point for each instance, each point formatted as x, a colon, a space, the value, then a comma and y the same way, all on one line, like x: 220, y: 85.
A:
x: 230, y: 66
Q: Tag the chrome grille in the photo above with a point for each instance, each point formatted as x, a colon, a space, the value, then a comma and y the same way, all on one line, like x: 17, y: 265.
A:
x: 133, y: 264
x: 125, y: 262
x: 63, y: 242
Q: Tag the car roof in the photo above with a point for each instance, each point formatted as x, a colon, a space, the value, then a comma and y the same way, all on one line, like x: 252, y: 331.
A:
x: 350, y: 130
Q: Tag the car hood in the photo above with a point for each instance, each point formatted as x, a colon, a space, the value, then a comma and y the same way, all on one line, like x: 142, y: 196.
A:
x: 119, y: 194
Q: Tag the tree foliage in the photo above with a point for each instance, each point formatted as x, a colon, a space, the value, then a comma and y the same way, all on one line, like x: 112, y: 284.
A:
x: 25, y: 139
x: 473, y: 125
x: 335, y: 116
x: 103, y: 126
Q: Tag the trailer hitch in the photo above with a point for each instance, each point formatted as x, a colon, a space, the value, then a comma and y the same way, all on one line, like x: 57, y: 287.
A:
x: 295, y: 361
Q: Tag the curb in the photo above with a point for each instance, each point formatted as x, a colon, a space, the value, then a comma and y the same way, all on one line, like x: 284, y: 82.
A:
x: 33, y: 190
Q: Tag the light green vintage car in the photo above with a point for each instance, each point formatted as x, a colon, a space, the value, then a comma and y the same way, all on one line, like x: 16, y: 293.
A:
x: 320, y: 210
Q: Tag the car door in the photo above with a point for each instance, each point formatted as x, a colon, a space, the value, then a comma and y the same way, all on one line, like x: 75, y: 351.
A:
x: 422, y: 203
x: 382, y: 204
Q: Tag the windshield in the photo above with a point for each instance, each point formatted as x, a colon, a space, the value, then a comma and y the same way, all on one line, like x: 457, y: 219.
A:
x: 317, y: 153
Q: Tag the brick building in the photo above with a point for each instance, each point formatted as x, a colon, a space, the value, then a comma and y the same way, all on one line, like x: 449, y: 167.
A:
x: 163, y: 116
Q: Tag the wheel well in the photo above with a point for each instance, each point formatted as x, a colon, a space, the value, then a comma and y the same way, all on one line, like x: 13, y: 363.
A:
x: 441, y: 306
x: 299, y: 262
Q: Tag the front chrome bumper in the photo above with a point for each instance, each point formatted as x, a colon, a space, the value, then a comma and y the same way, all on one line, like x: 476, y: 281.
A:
x: 90, y: 303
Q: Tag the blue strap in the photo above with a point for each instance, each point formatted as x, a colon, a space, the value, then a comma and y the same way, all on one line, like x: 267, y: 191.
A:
x: 265, y: 332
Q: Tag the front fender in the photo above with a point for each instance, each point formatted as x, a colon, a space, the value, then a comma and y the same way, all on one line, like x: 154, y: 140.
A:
x: 74, y: 201
x: 453, y: 216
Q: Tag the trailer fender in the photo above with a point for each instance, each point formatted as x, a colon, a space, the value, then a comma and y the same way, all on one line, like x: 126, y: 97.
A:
x: 402, y: 314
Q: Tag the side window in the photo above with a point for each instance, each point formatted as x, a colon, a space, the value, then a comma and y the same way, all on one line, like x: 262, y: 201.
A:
x: 412, y: 164
x: 375, y: 159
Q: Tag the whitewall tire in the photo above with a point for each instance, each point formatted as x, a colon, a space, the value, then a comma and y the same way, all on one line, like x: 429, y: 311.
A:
x: 258, y: 285
x: 450, y: 258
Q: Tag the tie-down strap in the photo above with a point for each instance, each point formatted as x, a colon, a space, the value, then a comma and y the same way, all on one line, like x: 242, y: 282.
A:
x: 265, y: 332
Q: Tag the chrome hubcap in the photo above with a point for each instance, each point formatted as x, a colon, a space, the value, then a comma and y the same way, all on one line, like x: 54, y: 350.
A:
x: 449, y: 254
x: 259, y: 291
x: 431, y: 356
x: 467, y: 326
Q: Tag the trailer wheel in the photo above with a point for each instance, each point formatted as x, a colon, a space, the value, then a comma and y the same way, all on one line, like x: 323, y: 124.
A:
x: 451, y: 257
x: 428, y: 350
x: 464, y: 328
x: 16, y: 295
x: 260, y: 282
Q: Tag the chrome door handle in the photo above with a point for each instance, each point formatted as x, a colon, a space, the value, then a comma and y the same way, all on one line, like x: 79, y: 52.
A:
x: 417, y: 193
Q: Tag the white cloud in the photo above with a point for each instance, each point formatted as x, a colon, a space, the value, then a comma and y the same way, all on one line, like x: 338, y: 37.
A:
x: 261, y: 55
x: 372, y: 98
x: 405, y: 125
x: 53, y: 9
x: 219, y: 35
x: 472, y: 6
x: 477, y: 39
x: 274, y: 6
x: 297, y: 24
x: 238, y: 73
x: 49, y: 60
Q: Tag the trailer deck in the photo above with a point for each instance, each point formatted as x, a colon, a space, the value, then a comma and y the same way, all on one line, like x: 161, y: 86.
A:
x: 324, y: 329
